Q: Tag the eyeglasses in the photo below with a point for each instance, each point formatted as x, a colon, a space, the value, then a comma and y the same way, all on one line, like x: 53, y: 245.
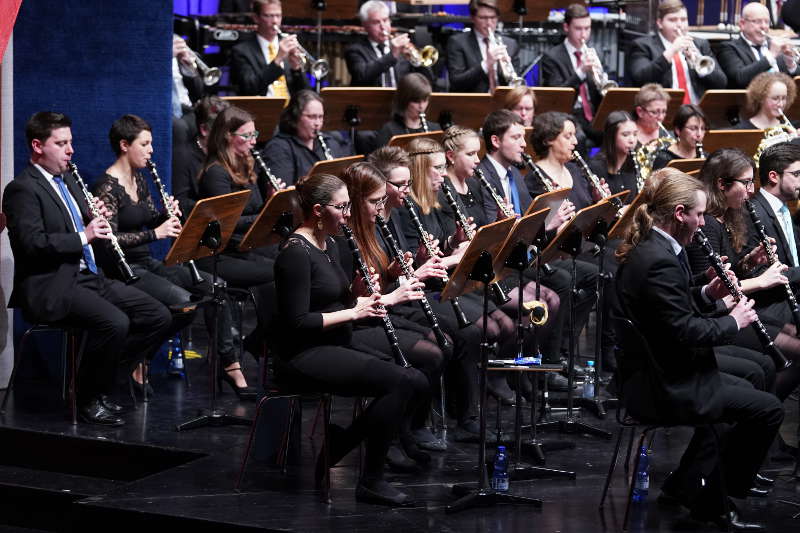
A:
x: 656, y: 112
x: 757, y: 21
x: 247, y: 136
x: 344, y: 208
x: 748, y: 183
x: 400, y: 186
x: 695, y: 129
x: 380, y: 202
x: 440, y: 168
x: 313, y: 117
x: 795, y: 173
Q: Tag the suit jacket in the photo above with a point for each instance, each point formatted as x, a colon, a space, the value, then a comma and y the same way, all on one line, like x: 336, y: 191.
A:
x: 773, y: 228
x: 366, y: 68
x: 646, y: 64
x: 738, y: 60
x: 557, y: 71
x: 681, y: 382
x: 489, y: 205
x: 465, y: 66
x: 47, y: 250
x: 253, y: 76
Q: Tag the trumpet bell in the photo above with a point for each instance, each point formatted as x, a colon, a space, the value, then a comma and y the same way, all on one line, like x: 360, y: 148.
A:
x: 610, y: 84
x: 320, y: 68
x: 211, y: 76
x: 427, y: 57
x: 705, y: 66
x: 538, y: 311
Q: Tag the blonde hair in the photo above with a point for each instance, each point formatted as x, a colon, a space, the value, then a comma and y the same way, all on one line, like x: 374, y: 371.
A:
x: 650, y: 92
x: 455, y: 137
x: 760, y: 86
x: 420, y: 150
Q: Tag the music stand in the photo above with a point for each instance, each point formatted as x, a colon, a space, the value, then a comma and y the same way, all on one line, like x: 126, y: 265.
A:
x: 351, y: 108
x: 746, y: 140
x: 405, y: 139
x: 621, y: 226
x: 334, y: 166
x: 206, y: 233
x: 475, y: 267
x: 549, y: 200
x: 549, y: 98
x: 276, y: 221
x: 266, y: 111
x: 465, y: 109
x: 623, y: 97
x: 687, y: 165
x: 721, y: 106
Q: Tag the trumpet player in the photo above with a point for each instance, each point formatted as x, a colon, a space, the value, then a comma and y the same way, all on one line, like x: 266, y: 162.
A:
x: 673, y: 58
x: 474, y: 58
x: 267, y: 65
x: 187, y: 83
x: 378, y: 60
x: 754, y: 51
x: 574, y: 64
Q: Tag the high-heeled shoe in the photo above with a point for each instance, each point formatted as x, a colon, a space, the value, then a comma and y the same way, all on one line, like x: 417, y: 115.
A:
x: 244, y: 393
x: 139, y: 388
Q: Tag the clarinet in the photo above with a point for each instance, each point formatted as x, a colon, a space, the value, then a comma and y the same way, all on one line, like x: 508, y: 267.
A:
x: 762, y: 236
x: 716, y: 263
x: 637, y: 169
x: 196, y: 278
x: 273, y: 181
x: 549, y: 184
x: 441, y: 340
x: 124, y: 268
x: 388, y: 327
x: 423, y: 120
x: 461, y: 318
x: 507, y: 213
x: 594, y: 181
x: 699, y: 152
x: 324, y: 146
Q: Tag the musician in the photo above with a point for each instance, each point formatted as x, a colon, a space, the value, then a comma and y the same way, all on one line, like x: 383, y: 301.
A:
x: 680, y: 383
x: 662, y: 58
x: 614, y: 162
x: 522, y: 101
x: 292, y: 152
x: 571, y: 63
x: 136, y: 222
x: 188, y: 158
x: 187, y: 83
x: 56, y: 279
x: 378, y: 60
x: 472, y: 59
x: 266, y: 65
x: 410, y: 104
x: 690, y: 126
x: 754, y: 52
x: 768, y: 95
x: 650, y: 109
x: 317, y: 309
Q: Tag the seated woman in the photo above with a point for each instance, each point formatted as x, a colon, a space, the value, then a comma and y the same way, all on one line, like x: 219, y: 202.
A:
x: 690, y: 126
x: 768, y: 96
x: 137, y: 223
x: 410, y: 104
x: 650, y: 109
x: 522, y: 101
x: 615, y: 163
x: 316, y: 312
x: 300, y: 141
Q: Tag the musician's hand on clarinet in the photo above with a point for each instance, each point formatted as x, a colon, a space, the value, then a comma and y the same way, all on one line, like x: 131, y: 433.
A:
x: 395, y: 270
x: 407, y: 291
x: 176, y: 206
x: 367, y: 307
x: 432, y: 268
x: 169, y: 228
x: 271, y: 190
x: 743, y: 313
x: 711, y: 273
x: 729, y: 302
x: 359, y: 287
x: 564, y: 214
x: 773, y: 277
x: 460, y: 235
x: 98, y: 228
x: 758, y: 255
x: 102, y: 208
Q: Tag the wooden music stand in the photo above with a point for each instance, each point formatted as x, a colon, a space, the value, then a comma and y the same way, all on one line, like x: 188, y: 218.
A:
x: 266, y: 112
x: 525, y: 230
x: 547, y: 98
x: 334, y: 166
x: 281, y: 213
x: 465, y: 109
x: 687, y: 165
x: 548, y: 200
x: 582, y: 223
x: 371, y: 106
x: 722, y: 106
x: 334, y: 10
x: 622, y: 225
x: 489, y: 238
x: 745, y: 140
x: 623, y: 97
x: 403, y: 140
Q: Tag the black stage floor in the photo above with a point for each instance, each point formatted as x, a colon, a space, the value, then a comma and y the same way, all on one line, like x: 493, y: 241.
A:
x: 59, y: 477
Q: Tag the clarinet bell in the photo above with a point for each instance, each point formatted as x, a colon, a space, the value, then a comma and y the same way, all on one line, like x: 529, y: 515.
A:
x: 499, y: 295
x: 127, y: 272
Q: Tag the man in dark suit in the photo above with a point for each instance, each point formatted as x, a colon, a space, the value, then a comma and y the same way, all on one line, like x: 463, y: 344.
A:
x: 56, y: 280
x: 473, y: 60
x: 377, y: 60
x: 752, y: 53
x: 680, y: 382
x: 259, y: 65
x: 568, y: 65
x: 664, y: 57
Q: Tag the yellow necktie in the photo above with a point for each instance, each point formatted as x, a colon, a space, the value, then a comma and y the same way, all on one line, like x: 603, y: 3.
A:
x: 278, y: 86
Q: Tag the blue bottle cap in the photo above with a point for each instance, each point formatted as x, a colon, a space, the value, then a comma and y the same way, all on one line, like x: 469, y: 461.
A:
x: 589, y: 363
x: 501, y: 448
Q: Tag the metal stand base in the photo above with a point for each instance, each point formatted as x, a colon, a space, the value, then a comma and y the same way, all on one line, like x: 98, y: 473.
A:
x: 215, y: 418
x: 472, y: 497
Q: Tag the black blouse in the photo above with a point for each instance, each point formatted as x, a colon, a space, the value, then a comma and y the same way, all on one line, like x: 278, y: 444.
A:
x: 580, y: 195
x: 624, y: 180
x: 720, y: 240
x: 435, y: 223
x: 216, y: 181
x: 663, y: 157
x: 470, y: 204
x: 397, y: 126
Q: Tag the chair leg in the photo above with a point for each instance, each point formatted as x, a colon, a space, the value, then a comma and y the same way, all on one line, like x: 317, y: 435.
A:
x: 283, y: 451
x: 628, y: 455
x: 442, y: 404
x: 633, y: 482
x: 723, y: 487
x: 326, y: 420
x: 612, y: 466
x: 13, y: 376
x: 253, y: 426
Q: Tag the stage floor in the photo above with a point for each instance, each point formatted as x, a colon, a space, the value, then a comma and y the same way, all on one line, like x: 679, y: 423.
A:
x: 59, y: 477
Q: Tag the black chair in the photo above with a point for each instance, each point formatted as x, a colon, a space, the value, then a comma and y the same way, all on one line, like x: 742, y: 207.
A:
x: 71, y: 352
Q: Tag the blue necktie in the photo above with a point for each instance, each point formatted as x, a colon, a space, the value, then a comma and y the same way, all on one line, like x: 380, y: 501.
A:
x: 512, y: 186
x: 76, y: 218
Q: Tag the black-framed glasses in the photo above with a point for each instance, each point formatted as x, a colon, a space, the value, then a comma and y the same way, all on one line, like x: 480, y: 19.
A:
x: 795, y: 173
x: 401, y: 186
x: 748, y: 183
x: 344, y: 208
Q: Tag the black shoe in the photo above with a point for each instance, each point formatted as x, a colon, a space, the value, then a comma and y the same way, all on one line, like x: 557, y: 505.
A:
x: 558, y: 383
x: 469, y: 431
x: 526, y: 388
x: 728, y: 522
x: 244, y: 393
x: 335, y: 453
x: 413, y: 451
x: 139, y: 388
x: 426, y: 440
x: 95, y: 413
x: 670, y: 499
x: 398, y: 461
x: 501, y: 391
x: 764, y: 481
x: 382, y: 493
x: 757, y: 492
x: 112, y: 407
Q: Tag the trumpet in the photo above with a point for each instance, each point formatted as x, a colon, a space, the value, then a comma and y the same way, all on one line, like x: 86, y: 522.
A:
x: 537, y: 310
x: 427, y: 57
x: 506, y: 67
x: 599, y: 76
x: 319, y: 68
x: 211, y: 75
x: 703, y: 65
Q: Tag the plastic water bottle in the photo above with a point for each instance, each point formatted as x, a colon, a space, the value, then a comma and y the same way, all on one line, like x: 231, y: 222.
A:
x: 642, y: 481
x: 175, y: 356
x: 500, y: 473
x: 590, y: 380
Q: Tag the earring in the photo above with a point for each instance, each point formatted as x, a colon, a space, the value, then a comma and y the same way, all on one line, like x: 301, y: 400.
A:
x: 320, y: 227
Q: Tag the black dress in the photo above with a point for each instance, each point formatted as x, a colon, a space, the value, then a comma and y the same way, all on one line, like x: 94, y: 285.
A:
x: 397, y: 126
x: 581, y: 193
x: 624, y: 180
x: 663, y: 157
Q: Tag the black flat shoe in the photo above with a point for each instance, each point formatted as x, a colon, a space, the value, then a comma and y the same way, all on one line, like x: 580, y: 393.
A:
x: 398, y: 461
x: 244, y: 393
x: 414, y: 453
x: 112, y: 407
x: 731, y: 521
x: 757, y: 492
x: 382, y: 493
x: 95, y: 413
x: 426, y: 440
x: 764, y: 481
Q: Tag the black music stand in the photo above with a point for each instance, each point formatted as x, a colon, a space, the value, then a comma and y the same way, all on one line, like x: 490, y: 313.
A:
x: 475, y: 268
x: 206, y: 233
x: 276, y: 221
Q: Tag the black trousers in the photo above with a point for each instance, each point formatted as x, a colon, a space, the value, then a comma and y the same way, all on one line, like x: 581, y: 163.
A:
x: 123, y: 324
